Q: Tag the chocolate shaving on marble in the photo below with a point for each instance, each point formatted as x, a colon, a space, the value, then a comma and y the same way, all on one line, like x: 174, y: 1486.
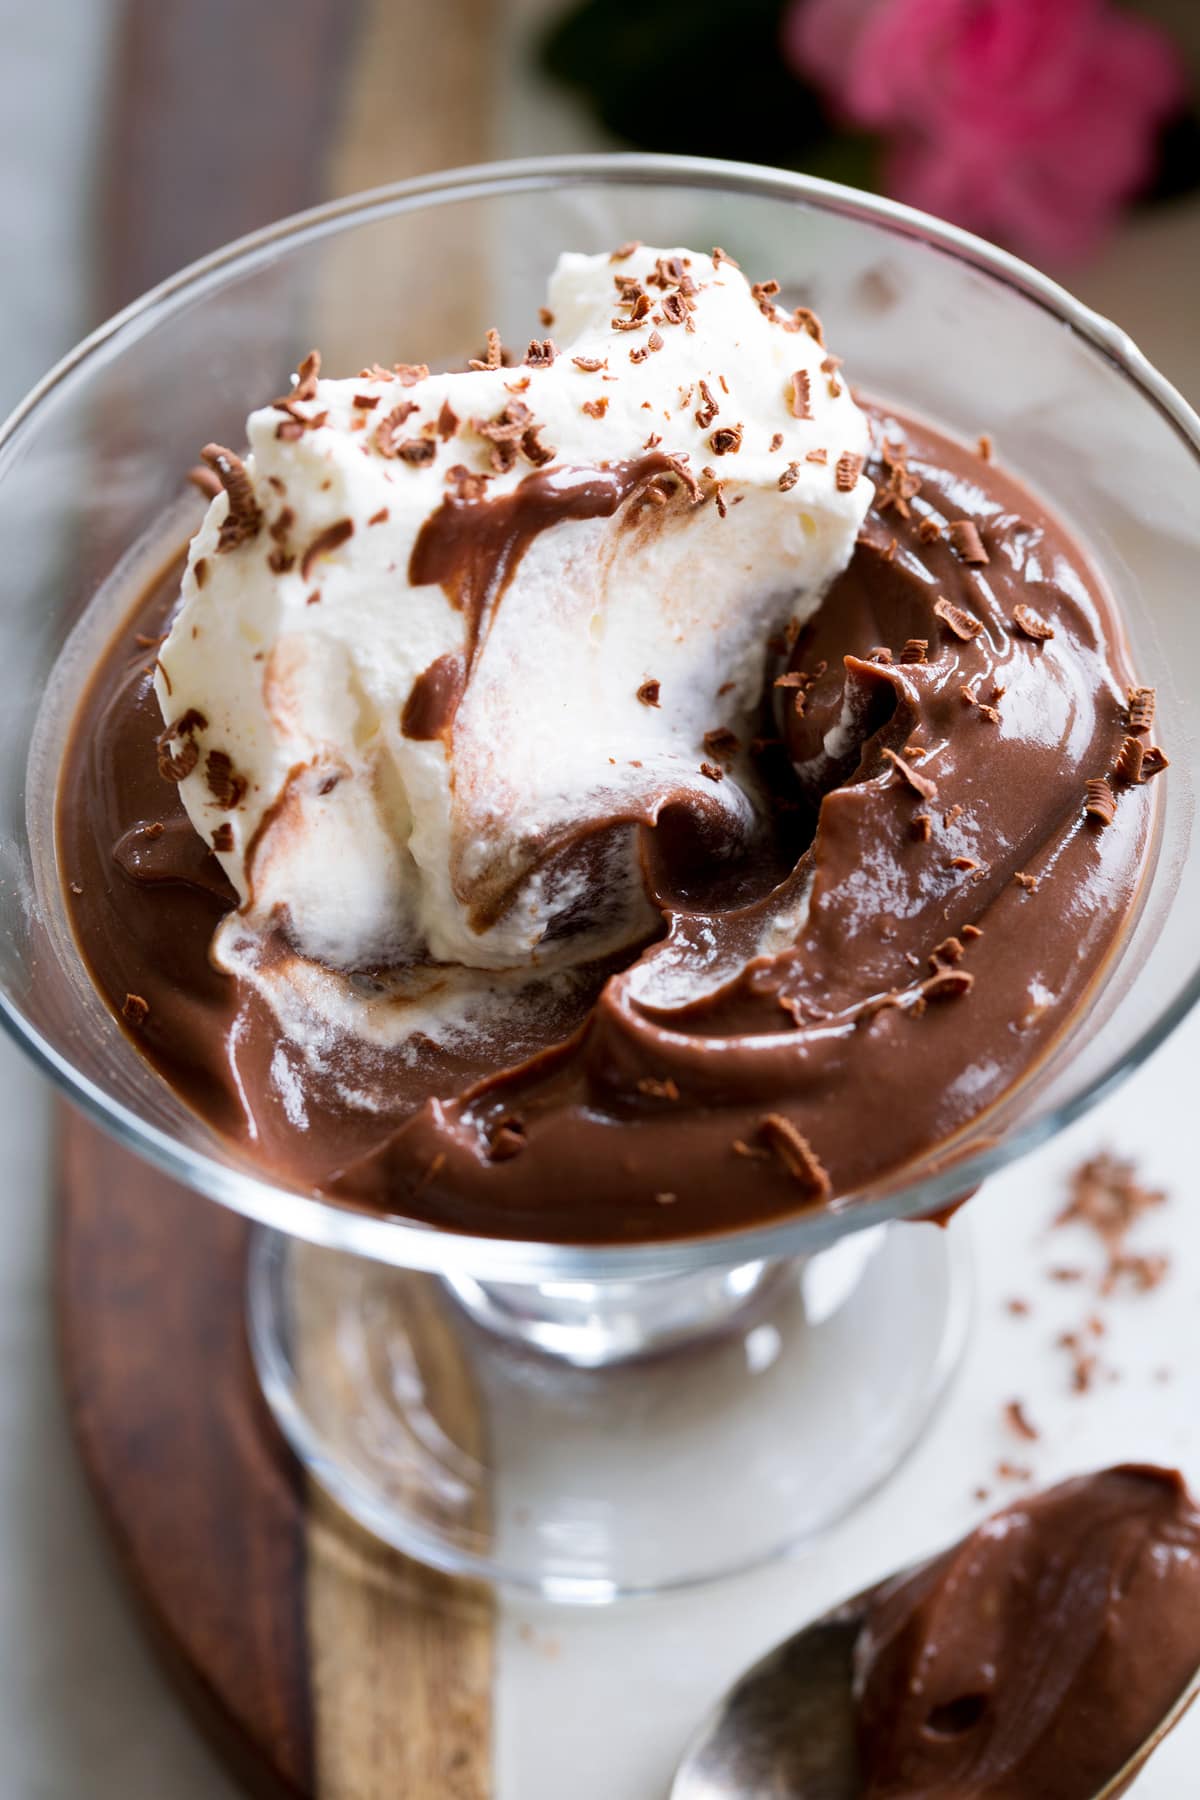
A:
x: 244, y: 519
x: 796, y: 1154
x: 959, y: 622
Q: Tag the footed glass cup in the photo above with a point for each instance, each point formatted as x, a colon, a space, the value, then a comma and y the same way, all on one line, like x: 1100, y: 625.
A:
x: 587, y: 1422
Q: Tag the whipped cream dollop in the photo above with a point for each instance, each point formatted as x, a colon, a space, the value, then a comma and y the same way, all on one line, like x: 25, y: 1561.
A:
x: 447, y: 640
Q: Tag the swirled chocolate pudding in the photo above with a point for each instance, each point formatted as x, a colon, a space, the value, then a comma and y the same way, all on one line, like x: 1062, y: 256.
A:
x: 631, y: 792
x: 1032, y: 1661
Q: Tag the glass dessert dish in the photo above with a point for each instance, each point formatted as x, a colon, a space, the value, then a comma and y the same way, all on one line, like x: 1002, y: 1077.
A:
x: 588, y: 1421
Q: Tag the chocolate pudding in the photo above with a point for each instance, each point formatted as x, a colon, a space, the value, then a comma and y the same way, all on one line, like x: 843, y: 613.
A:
x: 771, y: 965
x: 1031, y: 1661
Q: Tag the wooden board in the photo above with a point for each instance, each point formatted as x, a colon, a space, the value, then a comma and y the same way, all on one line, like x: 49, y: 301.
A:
x: 320, y: 1663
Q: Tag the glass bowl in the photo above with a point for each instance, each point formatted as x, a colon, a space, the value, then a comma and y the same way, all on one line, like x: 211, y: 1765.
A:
x: 490, y: 1414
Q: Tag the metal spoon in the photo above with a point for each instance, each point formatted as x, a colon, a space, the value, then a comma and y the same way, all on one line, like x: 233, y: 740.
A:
x: 785, y: 1730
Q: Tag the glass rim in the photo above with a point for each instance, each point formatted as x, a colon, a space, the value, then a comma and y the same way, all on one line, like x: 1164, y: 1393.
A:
x: 405, y: 1242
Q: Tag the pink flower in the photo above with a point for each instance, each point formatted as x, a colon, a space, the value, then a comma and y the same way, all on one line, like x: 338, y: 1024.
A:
x: 1031, y: 121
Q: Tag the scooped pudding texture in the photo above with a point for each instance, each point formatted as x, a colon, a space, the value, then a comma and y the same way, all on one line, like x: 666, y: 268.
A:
x: 632, y: 791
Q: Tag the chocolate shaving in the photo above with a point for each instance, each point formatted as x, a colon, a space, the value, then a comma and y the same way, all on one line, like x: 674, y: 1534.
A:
x: 929, y: 531
x: 1101, y: 802
x: 227, y: 788
x: 596, y: 409
x: 816, y: 456
x: 541, y: 353
x: 307, y: 376
x: 387, y: 432
x: 804, y: 319
x: 243, y: 521
x: 726, y: 440
x: 966, y: 863
x: 135, y: 1011
x: 626, y: 250
x: 1028, y: 621
x: 656, y: 1089
x: 200, y: 571
x: 649, y: 692
x: 177, y: 751
x: 914, y: 651
x: 763, y: 294
x: 378, y: 518
x: 922, y: 827
x: 325, y: 543
x: 801, y: 396
x: 639, y: 306
x: 947, y: 984
x: 1018, y: 1420
x: 959, y: 622
x: 706, y: 413
x: 964, y: 535
x: 1141, y: 710
x: 467, y: 484
x: 675, y: 309
x: 1129, y: 762
x: 847, y: 471
x: 416, y: 450
x: 222, y: 838
x: 447, y: 422
x: 1153, y: 762
x: 366, y: 402
x: 789, y: 478
x: 712, y: 772
x: 796, y: 1154
x: 589, y: 364
x: 950, y: 950
x: 493, y: 355
x: 920, y: 784
x: 1028, y: 882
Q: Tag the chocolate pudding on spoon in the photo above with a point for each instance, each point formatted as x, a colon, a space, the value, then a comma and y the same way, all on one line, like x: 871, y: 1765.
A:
x: 618, y: 802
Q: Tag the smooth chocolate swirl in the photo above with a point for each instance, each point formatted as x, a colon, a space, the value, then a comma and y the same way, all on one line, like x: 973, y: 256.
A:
x: 926, y: 916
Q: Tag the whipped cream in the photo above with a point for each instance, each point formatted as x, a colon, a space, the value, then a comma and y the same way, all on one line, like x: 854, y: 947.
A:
x: 402, y: 769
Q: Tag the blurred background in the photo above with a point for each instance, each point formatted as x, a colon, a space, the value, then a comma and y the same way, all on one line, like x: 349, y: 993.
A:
x: 137, y: 134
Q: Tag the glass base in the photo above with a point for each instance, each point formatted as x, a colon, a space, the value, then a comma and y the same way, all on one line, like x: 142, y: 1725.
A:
x: 590, y: 1441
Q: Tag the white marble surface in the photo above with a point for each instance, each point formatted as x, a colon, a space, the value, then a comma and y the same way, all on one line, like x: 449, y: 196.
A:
x: 591, y: 1706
